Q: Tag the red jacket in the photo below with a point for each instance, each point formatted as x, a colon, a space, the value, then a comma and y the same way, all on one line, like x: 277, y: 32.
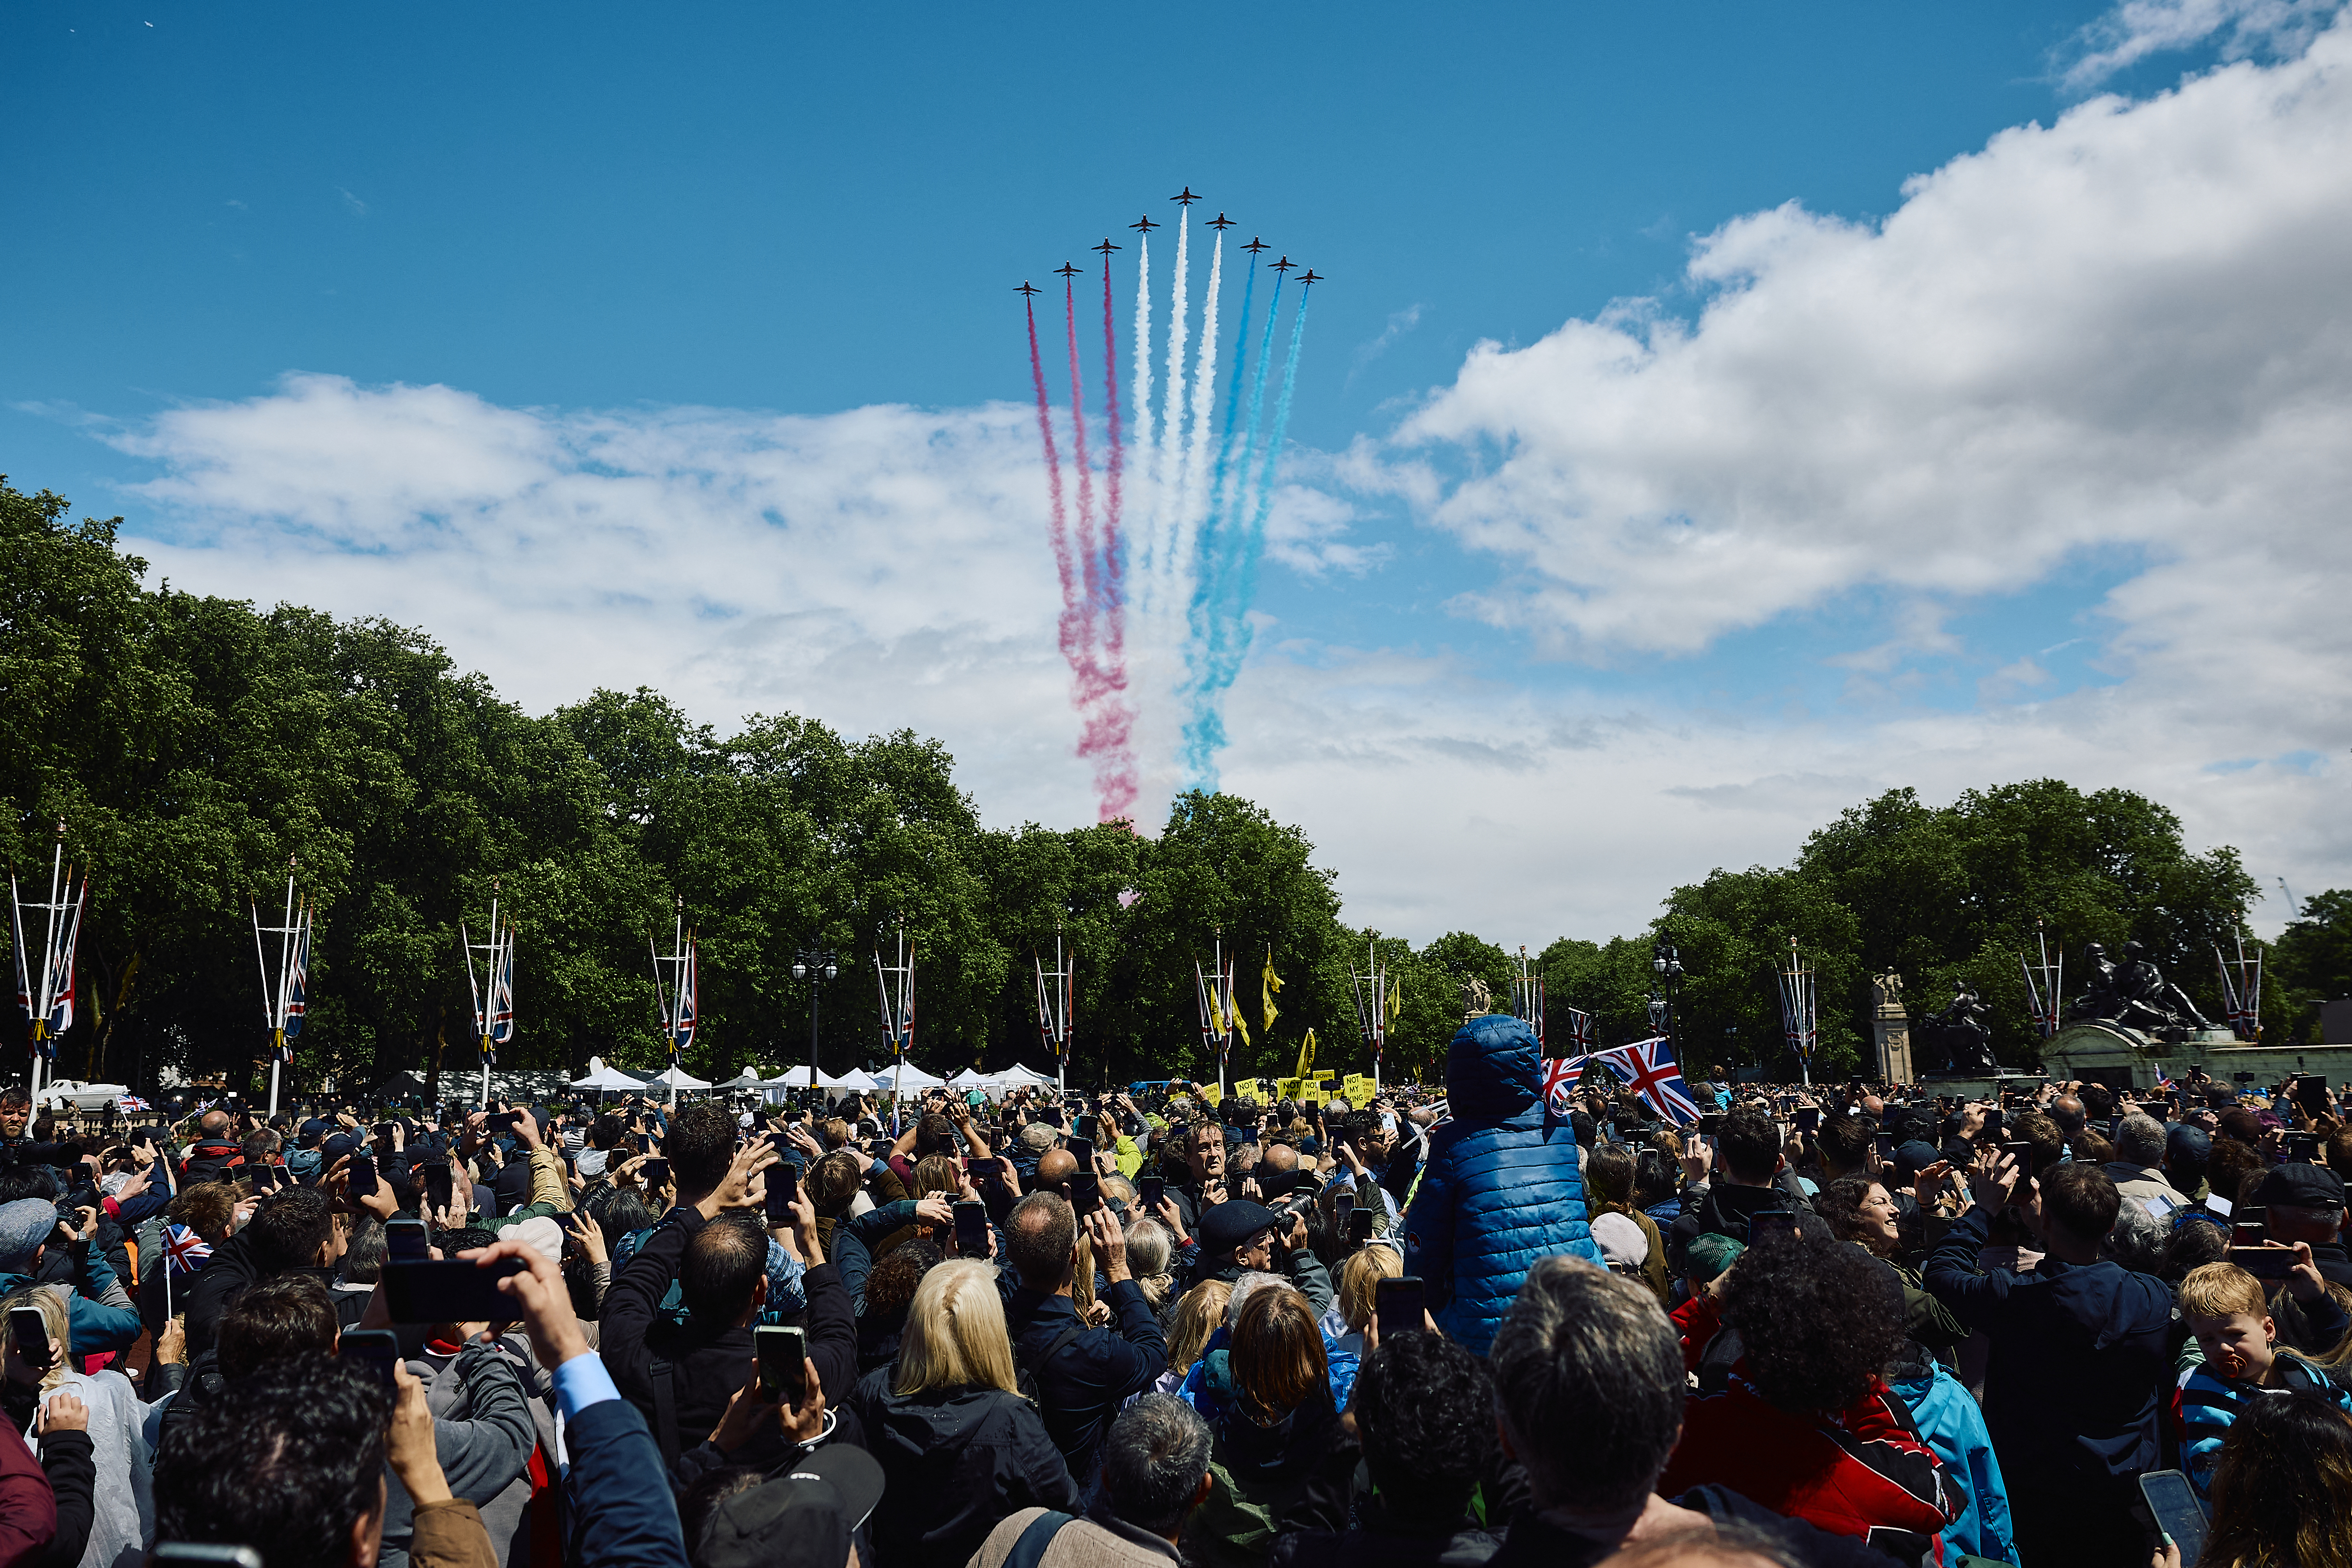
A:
x: 1862, y: 1471
x: 28, y: 1510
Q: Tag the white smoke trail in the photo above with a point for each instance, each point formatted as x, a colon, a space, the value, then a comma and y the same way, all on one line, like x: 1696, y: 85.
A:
x: 1166, y: 459
x: 1191, y: 490
x: 1140, y: 572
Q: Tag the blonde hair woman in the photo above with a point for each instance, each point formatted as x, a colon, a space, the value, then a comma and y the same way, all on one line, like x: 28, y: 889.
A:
x: 1199, y: 1314
x: 959, y: 1447
x: 1359, y: 1281
x: 1148, y: 1250
x: 58, y: 1400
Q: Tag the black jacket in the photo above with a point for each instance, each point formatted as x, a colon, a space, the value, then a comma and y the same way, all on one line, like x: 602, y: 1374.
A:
x: 1380, y: 1542
x: 72, y: 1464
x: 1083, y: 1384
x: 703, y: 1363
x: 234, y: 1265
x: 2078, y: 1359
x: 955, y: 1463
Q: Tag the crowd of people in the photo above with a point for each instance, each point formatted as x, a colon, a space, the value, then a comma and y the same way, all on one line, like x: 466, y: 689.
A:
x: 1495, y: 1321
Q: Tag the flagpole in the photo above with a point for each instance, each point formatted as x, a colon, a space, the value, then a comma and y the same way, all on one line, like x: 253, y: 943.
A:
x: 48, y: 967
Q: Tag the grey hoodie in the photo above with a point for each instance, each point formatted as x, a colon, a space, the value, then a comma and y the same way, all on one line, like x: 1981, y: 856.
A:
x: 483, y: 1445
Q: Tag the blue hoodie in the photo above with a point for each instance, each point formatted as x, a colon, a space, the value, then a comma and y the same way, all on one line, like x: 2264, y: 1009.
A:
x: 1502, y: 1188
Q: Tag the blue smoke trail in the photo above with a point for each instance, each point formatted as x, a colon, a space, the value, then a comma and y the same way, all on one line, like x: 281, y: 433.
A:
x: 1208, y: 550
x: 1221, y: 630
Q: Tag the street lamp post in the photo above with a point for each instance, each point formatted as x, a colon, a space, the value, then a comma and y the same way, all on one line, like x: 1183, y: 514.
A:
x: 815, y: 963
x: 1666, y: 965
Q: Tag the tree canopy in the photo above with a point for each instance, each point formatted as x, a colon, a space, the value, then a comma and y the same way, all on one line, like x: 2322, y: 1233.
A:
x: 196, y: 747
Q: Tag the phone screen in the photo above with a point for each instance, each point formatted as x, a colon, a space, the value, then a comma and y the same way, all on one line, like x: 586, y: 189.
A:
x: 2263, y: 1262
x: 440, y: 1190
x: 1398, y: 1305
x: 783, y: 1355
x: 655, y: 1172
x: 1155, y: 1189
x: 1809, y: 1118
x: 404, y: 1241
x: 361, y: 1171
x: 1084, y: 1128
x: 1343, y: 1210
x: 784, y: 1191
x: 374, y: 1349
x: 1086, y: 1192
x: 1992, y: 1123
x: 30, y: 1329
x: 449, y: 1290
x: 971, y: 1228
x: 1083, y: 1151
x: 2178, y: 1512
x: 1360, y: 1227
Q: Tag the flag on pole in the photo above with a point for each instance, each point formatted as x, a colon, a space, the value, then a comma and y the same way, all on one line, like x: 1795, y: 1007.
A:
x: 690, y: 977
x: 1648, y: 1068
x: 184, y: 1251
x: 1561, y: 1076
x: 62, y: 978
x: 501, y: 1019
x: 1580, y: 1029
x: 1306, y: 1055
x: 298, y: 993
x: 1270, y: 983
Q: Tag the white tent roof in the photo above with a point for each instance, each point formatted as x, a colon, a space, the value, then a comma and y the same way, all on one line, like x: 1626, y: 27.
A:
x: 748, y: 1079
x: 604, y: 1077
x: 1017, y: 1075
x: 904, y: 1077
x: 857, y: 1077
x: 678, y: 1077
x: 796, y: 1077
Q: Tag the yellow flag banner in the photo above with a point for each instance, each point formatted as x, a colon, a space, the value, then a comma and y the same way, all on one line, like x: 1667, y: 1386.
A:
x: 1307, y: 1057
x: 1212, y: 1095
x: 1396, y: 998
x: 1234, y: 1022
x: 1273, y: 983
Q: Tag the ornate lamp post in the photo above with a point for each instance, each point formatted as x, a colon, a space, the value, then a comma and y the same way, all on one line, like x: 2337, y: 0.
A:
x: 815, y: 963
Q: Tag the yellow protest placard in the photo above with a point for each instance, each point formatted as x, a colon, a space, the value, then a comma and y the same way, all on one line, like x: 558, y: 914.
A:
x: 1212, y: 1095
x: 1285, y: 1088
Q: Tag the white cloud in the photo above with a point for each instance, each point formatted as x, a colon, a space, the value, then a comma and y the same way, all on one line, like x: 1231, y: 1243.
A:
x: 352, y: 205
x: 2119, y: 342
x: 2138, y: 28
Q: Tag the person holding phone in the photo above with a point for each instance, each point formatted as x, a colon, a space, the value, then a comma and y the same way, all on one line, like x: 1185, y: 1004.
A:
x: 1082, y: 1375
x: 2078, y: 1354
x: 98, y: 1415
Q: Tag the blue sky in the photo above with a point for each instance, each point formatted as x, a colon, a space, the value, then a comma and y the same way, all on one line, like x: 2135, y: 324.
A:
x: 684, y: 222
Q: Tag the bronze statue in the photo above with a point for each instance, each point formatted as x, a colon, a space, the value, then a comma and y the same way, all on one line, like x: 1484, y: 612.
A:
x: 2132, y: 994
x: 1958, y: 1032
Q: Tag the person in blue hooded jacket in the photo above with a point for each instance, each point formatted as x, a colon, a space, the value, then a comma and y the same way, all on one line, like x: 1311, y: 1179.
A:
x: 1502, y: 1188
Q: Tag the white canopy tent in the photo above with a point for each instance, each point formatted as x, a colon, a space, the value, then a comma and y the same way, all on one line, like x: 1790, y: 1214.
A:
x: 601, y: 1076
x: 1019, y: 1077
x: 856, y: 1079
x: 675, y: 1078
x: 748, y: 1079
x: 907, y: 1079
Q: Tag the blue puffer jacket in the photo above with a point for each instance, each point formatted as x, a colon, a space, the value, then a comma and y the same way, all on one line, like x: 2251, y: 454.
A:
x: 1502, y: 1188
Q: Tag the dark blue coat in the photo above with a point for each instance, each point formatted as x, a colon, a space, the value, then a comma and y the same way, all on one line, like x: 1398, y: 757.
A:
x: 1502, y: 1188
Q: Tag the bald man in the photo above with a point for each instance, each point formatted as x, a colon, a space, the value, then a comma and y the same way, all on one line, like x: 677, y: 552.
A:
x: 1055, y: 1169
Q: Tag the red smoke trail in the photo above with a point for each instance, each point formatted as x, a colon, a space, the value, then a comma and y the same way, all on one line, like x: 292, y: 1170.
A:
x: 1071, y: 629
x: 1088, y: 561
x: 1115, y: 763
x: 1104, y: 732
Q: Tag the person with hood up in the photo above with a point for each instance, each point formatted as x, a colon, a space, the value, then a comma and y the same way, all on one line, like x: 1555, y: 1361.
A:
x: 1502, y: 1187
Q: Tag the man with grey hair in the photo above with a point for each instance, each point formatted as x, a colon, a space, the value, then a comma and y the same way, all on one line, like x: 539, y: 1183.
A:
x: 2138, y: 1167
x: 1083, y: 1373
x: 1589, y: 1397
x: 1155, y: 1472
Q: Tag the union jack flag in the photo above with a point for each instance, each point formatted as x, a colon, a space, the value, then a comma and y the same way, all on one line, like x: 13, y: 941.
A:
x: 681, y: 1033
x: 501, y: 1028
x: 1560, y: 1079
x: 1580, y: 1029
x: 184, y: 1251
x: 132, y: 1103
x: 1648, y: 1068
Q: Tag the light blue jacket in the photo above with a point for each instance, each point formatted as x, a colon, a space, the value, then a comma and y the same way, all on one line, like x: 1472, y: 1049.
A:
x: 1951, y: 1424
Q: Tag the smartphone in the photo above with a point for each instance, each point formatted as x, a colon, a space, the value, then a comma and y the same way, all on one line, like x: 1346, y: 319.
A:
x: 1154, y: 1190
x: 1083, y: 1151
x: 449, y: 1290
x: 31, y: 1330
x: 780, y: 1142
x: 1086, y: 1192
x: 2249, y: 1232
x: 440, y: 1189
x: 382, y: 1129
x: 1085, y: 1128
x: 1991, y: 1124
x: 654, y: 1173
x: 784, y: 1362
x: 784, y: 1191
x: 971, y: 1228
x: 361, y: 1171
x: 644, y: 1143
x: 404, y: 1240
x: 2023, y: 1155
x: 1886, y: 1149
x: 374, y: 1349
x: 2178, y: 1512
x: 1398, y: 1306
x: 1770, y: 1221
x: 1360, y: 1227
x: 2262, y: 1262
x: 2303, y: 1146
x: 1343, y: 1211
x: 2115, y: 1127
x: 1809, y: 1118
x: 262, y: 1176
